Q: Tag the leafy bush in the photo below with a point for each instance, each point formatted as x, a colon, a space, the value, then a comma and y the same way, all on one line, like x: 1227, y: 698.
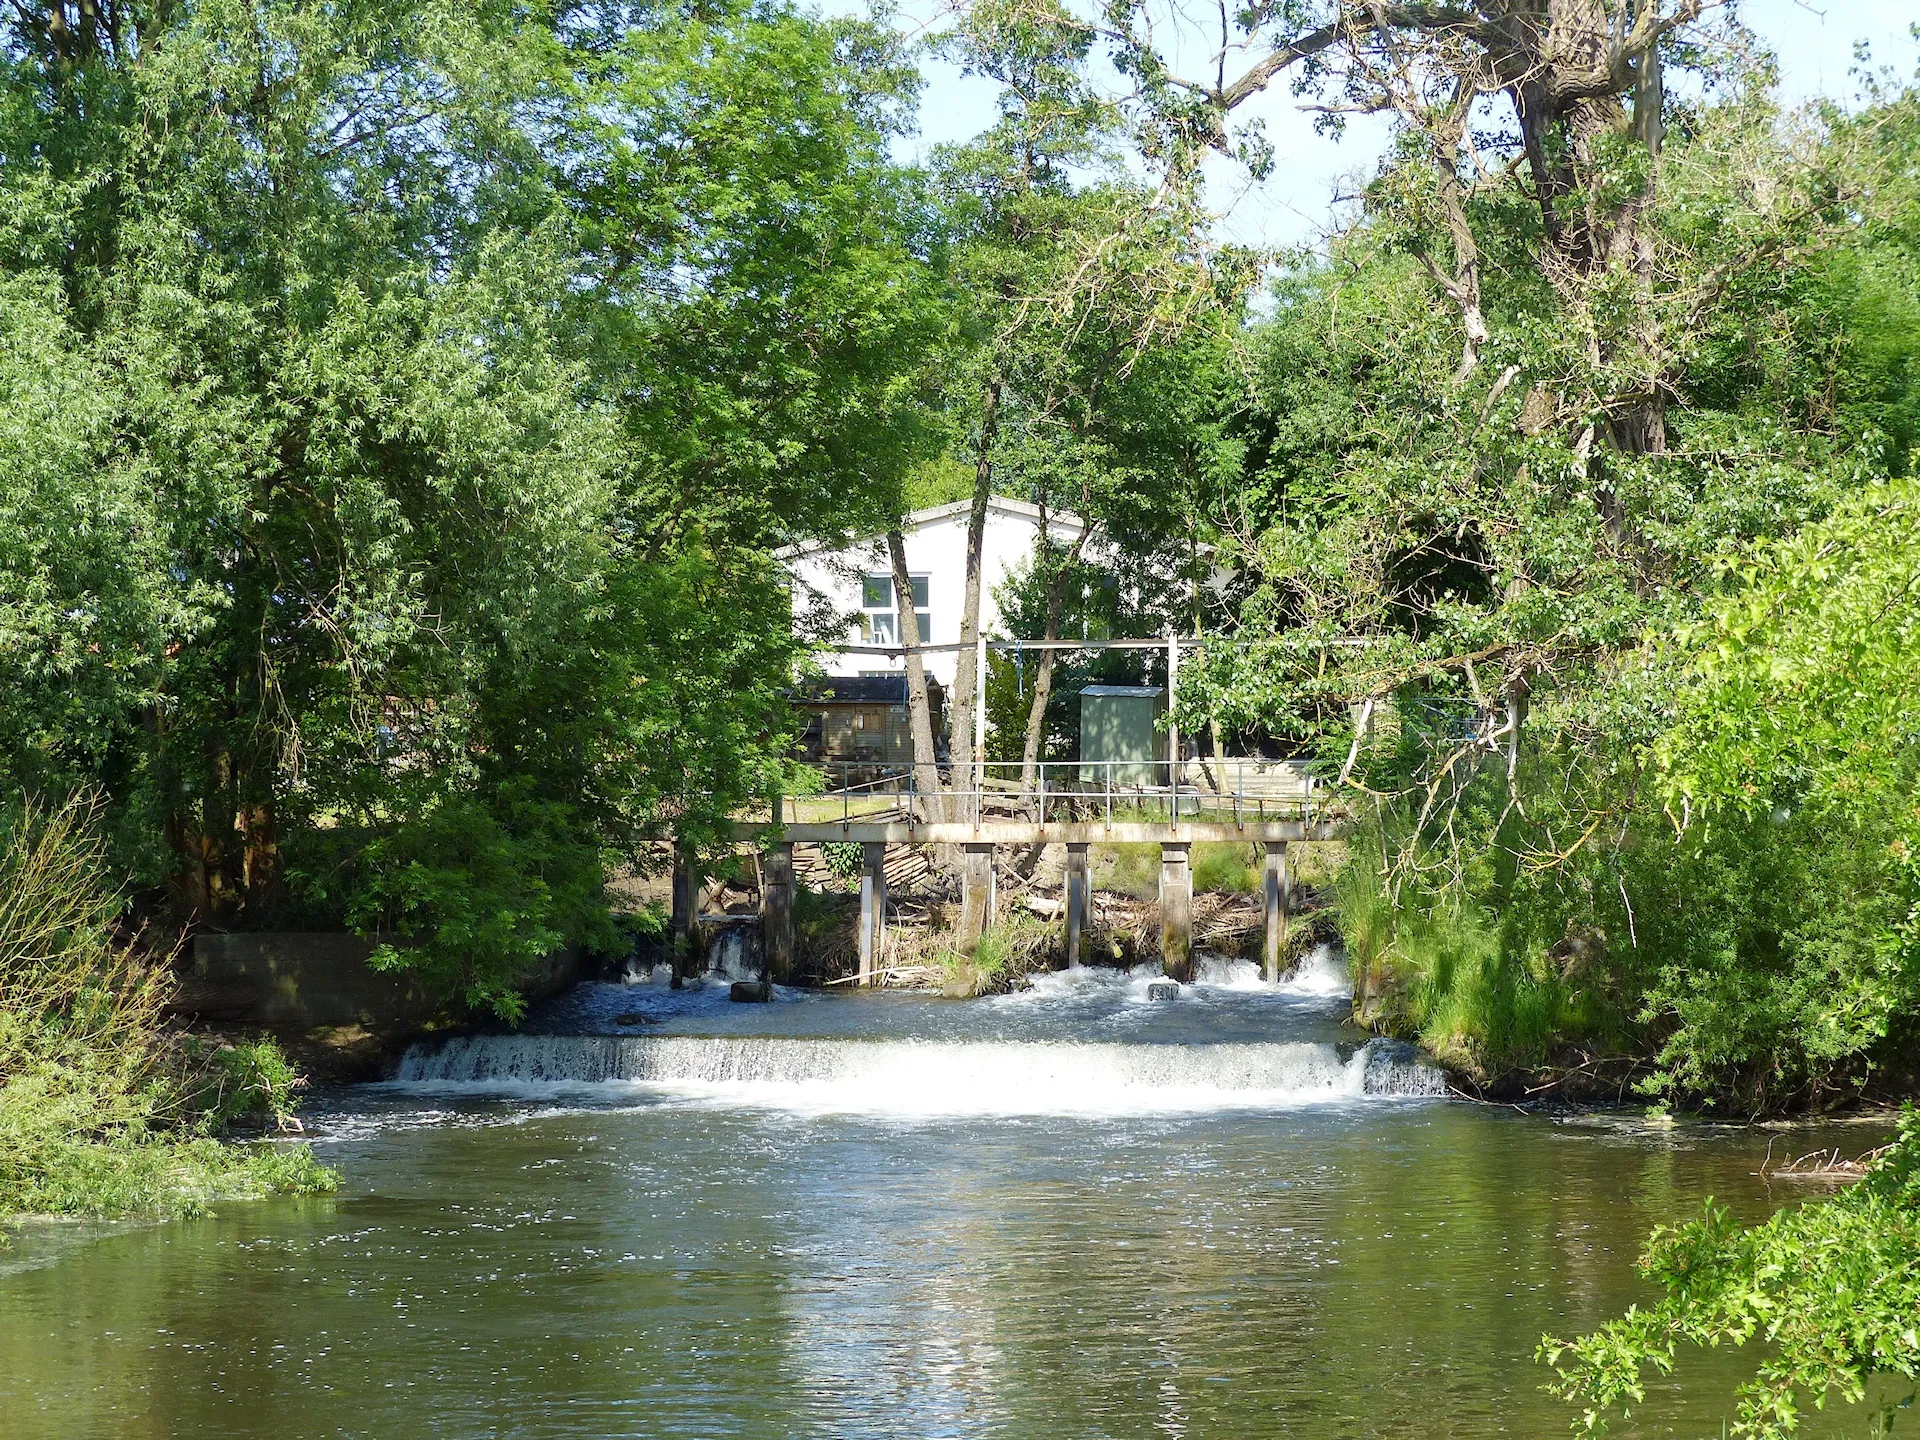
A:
x: 844, y: 858
x: 1831, y: 1287
x: 479, y: 895
x: 237, y: 1081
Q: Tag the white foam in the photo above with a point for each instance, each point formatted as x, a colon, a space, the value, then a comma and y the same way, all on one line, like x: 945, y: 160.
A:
x: 1321, y: 972
x: 928, y: 1078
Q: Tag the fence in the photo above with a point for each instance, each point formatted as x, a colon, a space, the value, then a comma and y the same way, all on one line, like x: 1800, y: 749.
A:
x: 1072, y: 791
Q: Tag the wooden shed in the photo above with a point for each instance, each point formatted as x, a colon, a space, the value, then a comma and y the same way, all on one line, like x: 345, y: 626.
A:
x: 862, y: 720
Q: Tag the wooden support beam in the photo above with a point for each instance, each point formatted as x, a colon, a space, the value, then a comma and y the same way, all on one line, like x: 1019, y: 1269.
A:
x: 1077, y: 890
x: 1176, y: 912
x: 776, y: 912
x: 1278, y: 902
x: 976, y: 893
x: 873, y: 907
x: 686, y: 912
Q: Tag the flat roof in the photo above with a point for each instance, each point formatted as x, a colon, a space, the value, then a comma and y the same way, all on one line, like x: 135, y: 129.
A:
x: 1137, y: 692
x: 859, y: 690
x: 1065, y: 521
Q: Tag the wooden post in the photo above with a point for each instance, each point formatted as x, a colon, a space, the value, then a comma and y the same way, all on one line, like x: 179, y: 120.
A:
x: 976, y: 893
x: 873, y: 906
x: 1176, y: 912
x: 1278, y: 902
x: 1076, y: 889
x: 776, y: 912
x: 686, y: 910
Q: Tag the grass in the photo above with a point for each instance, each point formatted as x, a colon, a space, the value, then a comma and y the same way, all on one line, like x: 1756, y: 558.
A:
x: 104, y: 1108
x: 1438, y: 970
x: 1006, y: 952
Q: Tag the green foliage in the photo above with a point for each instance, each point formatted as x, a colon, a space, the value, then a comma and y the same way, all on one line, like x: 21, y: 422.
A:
x: 103, y: 1109
x: 1831, y: 1288
x: 844, y: 858
x: 1433, y: 962
x: 392, y: 450
x: 1608, y: 615
x: 238, y: 1081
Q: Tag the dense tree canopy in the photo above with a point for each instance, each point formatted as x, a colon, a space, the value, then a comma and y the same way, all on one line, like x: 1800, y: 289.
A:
x: 400, y: 405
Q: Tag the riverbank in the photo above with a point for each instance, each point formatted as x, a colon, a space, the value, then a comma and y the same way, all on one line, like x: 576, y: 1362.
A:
x: 108, y: 1106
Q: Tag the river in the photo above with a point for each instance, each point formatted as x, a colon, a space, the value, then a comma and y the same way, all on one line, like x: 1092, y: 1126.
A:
x: 1074, y: 1211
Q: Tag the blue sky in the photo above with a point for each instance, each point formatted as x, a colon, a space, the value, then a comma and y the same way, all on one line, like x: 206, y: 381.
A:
x: 1814, y: 40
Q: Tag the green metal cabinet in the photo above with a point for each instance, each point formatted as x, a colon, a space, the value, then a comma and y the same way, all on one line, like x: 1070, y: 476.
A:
x: 1121, y: 722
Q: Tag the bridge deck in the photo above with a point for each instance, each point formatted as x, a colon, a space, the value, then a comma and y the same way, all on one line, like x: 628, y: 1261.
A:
x: 902, y: 830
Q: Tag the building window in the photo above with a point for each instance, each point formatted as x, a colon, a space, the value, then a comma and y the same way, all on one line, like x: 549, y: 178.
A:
x: 879, y: 623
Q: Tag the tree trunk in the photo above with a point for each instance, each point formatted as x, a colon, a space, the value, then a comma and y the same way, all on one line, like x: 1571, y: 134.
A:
x: 926, y: 763
x: 967, y: 682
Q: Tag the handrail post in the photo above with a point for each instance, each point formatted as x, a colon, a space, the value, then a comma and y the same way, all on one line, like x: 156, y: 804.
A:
x: 1173, y: 725
x: 980, y: 727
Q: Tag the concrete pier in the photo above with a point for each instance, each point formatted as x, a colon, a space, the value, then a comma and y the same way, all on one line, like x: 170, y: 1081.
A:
x: 1077, y: 890
x: 1277, y: 904
x: 1176, y: 911
x: 776, y: 912
x: 976, y: 893
x: 873, y: 907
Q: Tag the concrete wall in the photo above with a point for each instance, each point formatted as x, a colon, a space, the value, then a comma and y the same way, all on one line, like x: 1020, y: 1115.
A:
x: 297, y: 978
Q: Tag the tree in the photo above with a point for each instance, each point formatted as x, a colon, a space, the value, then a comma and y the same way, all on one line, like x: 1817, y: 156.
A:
x: 1068, y: 281
x: 1831, y: 1287
x: 439, y: 378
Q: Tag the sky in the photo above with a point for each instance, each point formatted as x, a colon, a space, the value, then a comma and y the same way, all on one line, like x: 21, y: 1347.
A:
x: 1296, y: 205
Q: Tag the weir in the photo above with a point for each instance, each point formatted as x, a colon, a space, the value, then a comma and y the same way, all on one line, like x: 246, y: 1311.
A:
x: 978, y: 904
x: 1085, y: 1042
x: 921, y: 1078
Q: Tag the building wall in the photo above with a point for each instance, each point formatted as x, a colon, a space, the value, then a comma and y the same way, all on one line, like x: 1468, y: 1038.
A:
x: 936, y: 548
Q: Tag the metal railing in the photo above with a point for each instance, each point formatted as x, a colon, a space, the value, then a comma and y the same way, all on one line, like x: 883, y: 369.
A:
x: 1241, y: 789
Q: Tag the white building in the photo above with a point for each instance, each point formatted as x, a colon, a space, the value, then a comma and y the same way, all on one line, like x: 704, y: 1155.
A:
x: 857, y: 580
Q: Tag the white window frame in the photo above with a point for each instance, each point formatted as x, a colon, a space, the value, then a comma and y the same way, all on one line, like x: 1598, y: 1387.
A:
x: 879, y: 622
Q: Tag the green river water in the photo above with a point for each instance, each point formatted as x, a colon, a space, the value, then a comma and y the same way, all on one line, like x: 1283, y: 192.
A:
x: 1068, y: 1213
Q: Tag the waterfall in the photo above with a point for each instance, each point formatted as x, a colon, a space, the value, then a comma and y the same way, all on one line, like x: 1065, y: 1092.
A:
x: 733, y: 947
x: 933, y: 1078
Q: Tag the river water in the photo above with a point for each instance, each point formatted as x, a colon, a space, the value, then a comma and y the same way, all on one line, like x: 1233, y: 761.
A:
x: 1075, y: 1211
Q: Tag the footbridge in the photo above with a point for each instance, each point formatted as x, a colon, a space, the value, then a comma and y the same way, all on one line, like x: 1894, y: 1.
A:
x: 1075, y: 804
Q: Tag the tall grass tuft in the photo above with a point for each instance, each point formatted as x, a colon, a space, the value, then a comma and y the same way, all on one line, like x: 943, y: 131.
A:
x: 1434, y: 966
x: 1007, y: 951
x: 103, y: 1108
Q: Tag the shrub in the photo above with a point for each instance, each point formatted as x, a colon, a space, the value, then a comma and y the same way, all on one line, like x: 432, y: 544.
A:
x: 103, y: 1110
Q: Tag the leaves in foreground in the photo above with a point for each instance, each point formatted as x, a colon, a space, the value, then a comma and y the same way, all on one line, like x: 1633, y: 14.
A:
x: 1832, y: 1288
